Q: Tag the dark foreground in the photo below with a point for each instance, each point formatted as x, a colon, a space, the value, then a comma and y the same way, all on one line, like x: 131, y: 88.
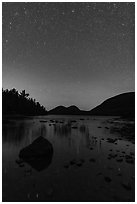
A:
x: 92, y: 159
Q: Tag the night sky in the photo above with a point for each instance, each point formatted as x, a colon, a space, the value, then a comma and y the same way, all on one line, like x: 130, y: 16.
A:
x: 69, y: 53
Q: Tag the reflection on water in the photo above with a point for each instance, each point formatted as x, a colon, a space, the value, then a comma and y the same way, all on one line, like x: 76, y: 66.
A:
x: 85, y: 166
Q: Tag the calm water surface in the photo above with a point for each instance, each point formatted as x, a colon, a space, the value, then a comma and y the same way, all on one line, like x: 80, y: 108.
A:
x: 80, y: 168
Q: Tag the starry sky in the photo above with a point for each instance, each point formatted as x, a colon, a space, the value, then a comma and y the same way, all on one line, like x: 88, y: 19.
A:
x: 69, y: 53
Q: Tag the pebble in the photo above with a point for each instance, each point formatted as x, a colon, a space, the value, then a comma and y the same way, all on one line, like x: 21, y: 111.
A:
x: 127, y: 186
x: 92, y: 160
x: 107, y: 179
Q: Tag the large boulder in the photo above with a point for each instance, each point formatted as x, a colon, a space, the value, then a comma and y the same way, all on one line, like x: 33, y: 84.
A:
x: 38, y: 154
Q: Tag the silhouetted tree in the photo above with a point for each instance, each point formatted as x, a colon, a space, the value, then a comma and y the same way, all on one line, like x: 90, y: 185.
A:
x: 14, y: 102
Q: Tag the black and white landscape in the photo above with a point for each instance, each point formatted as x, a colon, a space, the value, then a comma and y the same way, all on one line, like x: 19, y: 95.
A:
x: 68, y: 102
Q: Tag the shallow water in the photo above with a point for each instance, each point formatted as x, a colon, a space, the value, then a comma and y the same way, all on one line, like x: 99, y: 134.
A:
x: 84, y: 166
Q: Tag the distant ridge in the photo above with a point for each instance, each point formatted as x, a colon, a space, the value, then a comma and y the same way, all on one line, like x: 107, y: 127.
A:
x: 122, y: 105
x: 119, y: 105
x: 62, y: 110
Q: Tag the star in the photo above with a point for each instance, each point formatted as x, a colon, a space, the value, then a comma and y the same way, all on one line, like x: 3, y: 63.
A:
x: 73, y: 10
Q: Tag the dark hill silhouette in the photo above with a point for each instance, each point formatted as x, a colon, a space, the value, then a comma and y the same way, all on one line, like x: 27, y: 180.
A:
x: 62, y: 110
x: 122, y: 105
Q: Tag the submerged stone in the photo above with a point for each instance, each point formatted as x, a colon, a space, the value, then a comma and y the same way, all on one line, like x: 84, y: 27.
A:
x: 119, y: 160
x: 127, y: 186
x: 92, y: 160
x: 107, y: 179
x: 66, y: 166
x: 72, y: 162
x: 38, y: 154
x: 74, y: 127
x: 110, y: 140
x: 79, y: 164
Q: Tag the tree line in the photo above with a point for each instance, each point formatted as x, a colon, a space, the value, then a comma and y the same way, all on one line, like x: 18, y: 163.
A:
x: 14, y: 102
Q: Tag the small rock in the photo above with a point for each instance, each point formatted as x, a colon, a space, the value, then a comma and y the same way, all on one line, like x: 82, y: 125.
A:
x: 106, y: 127
x: 74, y: 127
x: 66, y: 166
x: 19, y: 161
x: 119, y: 160
x: 21, y: 165
x: 119, y: 174
x: 130, y: 161
x: 127, y: 186
x: 107, y: 179
x: 99, y: 174
x: 72, y: 162
x: 79, y: 164
x: 92, y: 160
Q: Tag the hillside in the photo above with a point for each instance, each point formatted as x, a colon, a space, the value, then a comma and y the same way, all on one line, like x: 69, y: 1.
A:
x: 123, y: 105
x: 62, y: 110
x: 120, y: 105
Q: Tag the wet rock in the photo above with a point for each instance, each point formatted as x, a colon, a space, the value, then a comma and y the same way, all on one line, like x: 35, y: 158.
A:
x: 119, y: 160
x: 119, y: 174
x: 73, y: 121
x: 72, y: 162
x: 21, y: 165
x: 79, y: 164
x: 91, y: 148
x: 128, y: 157
x: 28, y: 172
x: 107, y: 179
x: 74, y: 127
x: 66, y: 166
x: 82, y: 160
x: 42, y: 121
x: 107, y: 127
x: 130, y: 161
x: 127, y: 186
x: 99, y: 174
x: 110, y: 168
x: 110, y: 140
x: 19, y: 161
x: 112, y: 155
x: 92, y: 160
x: 38, y: 154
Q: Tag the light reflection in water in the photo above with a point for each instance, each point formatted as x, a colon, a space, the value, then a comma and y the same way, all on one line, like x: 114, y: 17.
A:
x: 78, y: 140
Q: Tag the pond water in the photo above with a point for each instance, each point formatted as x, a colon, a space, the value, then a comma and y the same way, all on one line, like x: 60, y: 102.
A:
x: 89, y: 161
